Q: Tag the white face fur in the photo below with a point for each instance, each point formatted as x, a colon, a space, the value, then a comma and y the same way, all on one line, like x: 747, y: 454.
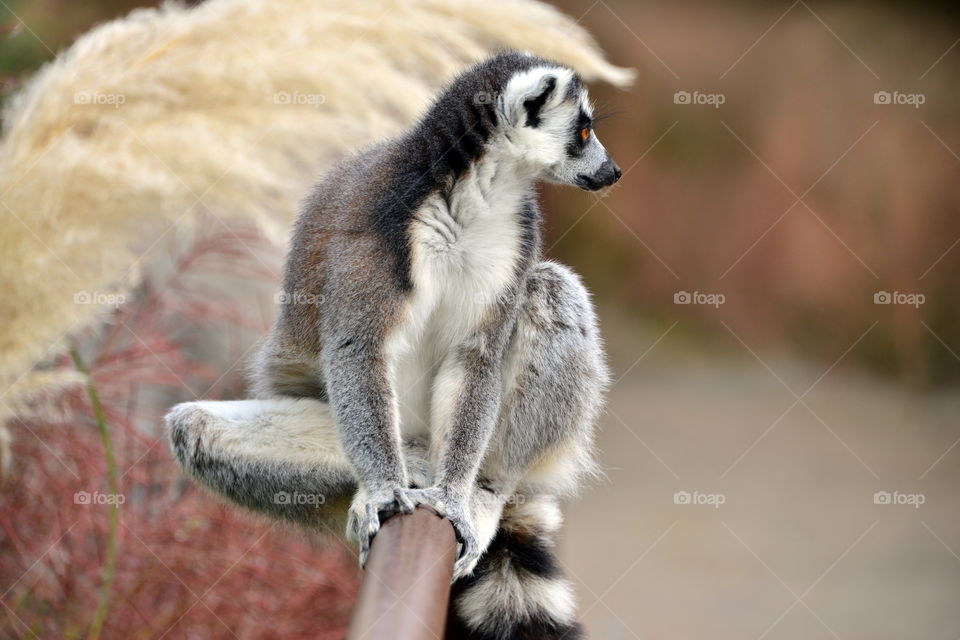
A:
x: 549, y: 128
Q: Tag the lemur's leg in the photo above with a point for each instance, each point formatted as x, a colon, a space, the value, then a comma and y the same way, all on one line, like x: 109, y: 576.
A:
x: 279, y: 456
x: 554, y: 383
x: 555, y: 378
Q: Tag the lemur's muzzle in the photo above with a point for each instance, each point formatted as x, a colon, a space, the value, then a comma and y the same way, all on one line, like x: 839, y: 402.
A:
x: 606, y: 175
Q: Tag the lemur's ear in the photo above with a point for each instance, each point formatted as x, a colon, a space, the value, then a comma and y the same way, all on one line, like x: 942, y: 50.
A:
x: 534, y: 104
x: 527, y: 96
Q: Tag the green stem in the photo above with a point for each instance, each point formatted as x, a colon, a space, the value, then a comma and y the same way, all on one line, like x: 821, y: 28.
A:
x: 113, y: 482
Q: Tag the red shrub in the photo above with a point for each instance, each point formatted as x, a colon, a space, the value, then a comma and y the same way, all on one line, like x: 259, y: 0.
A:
x: 188, y: 565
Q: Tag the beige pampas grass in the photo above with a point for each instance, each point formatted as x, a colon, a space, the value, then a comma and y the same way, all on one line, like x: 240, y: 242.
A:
x: 231, y: 107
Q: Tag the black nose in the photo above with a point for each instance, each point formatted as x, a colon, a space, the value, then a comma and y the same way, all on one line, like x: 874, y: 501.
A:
x: 606, y: 175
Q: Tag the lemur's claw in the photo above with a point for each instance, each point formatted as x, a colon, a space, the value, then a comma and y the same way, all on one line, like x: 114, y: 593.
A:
x: 454, y: 510
x: 368, y: 511
x: 469, y: 556
x: 469, y: 548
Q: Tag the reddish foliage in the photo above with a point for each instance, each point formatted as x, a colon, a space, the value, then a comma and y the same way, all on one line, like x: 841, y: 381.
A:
x: 189, y: 565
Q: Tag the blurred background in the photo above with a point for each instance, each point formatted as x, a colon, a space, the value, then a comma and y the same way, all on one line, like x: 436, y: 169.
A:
x: 777, y: 279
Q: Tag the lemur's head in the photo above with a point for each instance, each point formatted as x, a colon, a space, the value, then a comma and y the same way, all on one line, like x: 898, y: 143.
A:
x: 534, y: 111
x: 548, y: 122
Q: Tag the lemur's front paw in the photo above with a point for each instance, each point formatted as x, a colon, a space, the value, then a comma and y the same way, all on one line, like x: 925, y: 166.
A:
x: 454, y: 509
x: 369, y: 509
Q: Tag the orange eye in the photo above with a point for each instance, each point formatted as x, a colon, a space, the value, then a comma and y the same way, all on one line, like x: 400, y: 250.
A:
x: 584, y: 133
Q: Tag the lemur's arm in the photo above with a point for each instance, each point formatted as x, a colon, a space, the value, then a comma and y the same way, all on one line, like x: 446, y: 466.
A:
x: 469, y: 385
x: 475, y: 371
x: 361, y: 397
x: 364, y: 408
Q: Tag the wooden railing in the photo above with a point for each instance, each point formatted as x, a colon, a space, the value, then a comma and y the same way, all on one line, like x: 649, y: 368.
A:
x: 406, y: 586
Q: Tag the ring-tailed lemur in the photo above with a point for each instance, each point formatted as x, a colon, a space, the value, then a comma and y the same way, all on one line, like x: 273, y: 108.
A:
x: 426, y: 353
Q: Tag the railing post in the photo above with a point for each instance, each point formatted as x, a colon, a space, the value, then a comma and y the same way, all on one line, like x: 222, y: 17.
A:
x: 406, y: 585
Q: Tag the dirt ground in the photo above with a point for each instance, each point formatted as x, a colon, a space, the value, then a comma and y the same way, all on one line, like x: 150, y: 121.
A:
x: 784, y: 535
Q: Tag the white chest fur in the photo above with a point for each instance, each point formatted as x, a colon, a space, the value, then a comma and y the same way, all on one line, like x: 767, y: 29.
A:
x: 464, y: 254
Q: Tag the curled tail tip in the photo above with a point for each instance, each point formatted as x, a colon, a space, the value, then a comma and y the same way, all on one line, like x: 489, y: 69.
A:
x: 517, y: 592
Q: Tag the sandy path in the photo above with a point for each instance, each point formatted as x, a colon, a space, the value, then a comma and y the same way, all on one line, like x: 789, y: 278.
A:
x: 798, y: 518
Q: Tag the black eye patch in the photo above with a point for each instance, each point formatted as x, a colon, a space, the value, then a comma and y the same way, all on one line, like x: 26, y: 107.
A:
x: 579, y: 141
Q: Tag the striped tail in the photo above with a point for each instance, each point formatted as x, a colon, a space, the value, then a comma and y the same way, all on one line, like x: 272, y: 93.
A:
x: 517, y: 591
